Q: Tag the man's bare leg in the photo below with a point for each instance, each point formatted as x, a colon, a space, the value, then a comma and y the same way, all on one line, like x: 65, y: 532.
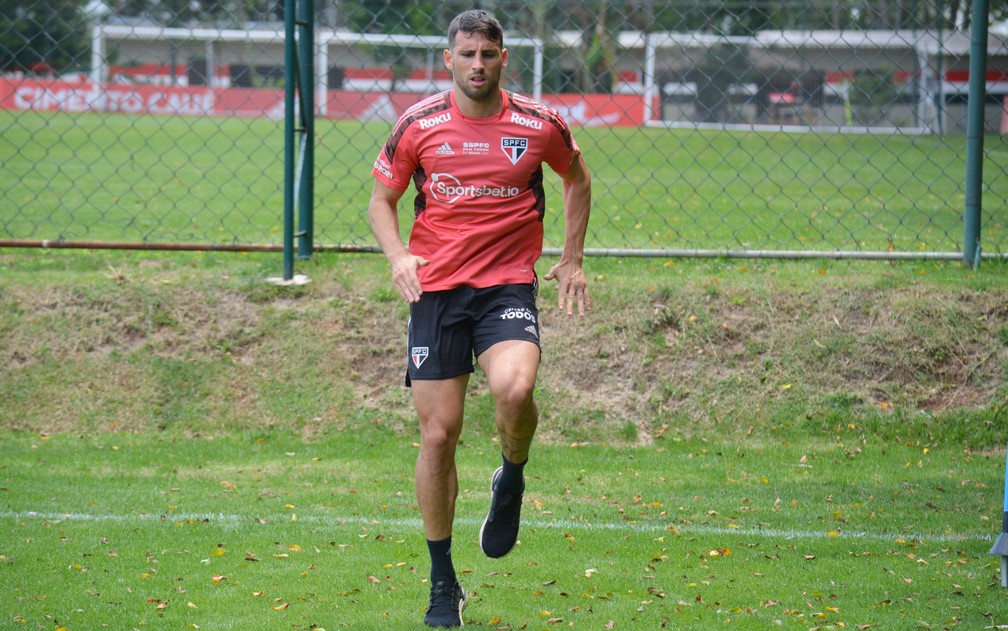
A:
x: 511, y: 369
x: 440, y: 405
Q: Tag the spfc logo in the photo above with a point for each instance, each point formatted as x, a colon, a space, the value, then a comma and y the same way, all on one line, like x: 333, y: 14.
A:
x: 419, y: 354
x: 514, y: 148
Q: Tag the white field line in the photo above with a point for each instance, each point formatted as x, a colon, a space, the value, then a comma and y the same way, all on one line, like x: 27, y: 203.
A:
x: 415, y: 523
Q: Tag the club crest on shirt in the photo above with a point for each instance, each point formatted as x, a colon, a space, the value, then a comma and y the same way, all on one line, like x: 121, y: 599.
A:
x: 514, y: 148
x: 419, y: 354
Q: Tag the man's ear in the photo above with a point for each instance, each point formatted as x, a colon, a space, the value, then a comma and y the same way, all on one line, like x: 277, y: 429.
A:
x: 447, y: 58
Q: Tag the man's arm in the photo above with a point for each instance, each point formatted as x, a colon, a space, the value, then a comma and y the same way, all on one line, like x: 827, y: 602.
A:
x: 568, y: 271
x: 384, y: 218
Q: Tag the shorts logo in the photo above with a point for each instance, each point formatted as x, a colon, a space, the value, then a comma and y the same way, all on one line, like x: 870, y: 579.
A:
x: 531, y: 329
x: 419, y: 354
x: 517, y: 313
x: 514, y: 148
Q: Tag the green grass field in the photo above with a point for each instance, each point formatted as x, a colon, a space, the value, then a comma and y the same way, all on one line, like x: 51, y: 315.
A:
x: 263, y: 530
x: 797, y: 444
x: 125, y: 178
x: 744, y: 444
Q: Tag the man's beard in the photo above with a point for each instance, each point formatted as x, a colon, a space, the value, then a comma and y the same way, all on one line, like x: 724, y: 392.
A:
x: 484, y: 93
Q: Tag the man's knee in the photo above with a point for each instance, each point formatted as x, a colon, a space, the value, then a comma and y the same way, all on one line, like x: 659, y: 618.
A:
x: 435, y: 434
x: 514, y: 393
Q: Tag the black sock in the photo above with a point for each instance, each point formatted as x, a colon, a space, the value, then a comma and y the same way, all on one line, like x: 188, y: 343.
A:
x: 441, y: 561
x: 511, y: 479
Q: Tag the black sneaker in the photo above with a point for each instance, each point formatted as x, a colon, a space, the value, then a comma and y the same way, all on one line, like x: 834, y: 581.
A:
x: 447, y: 600
x: 500, y: 529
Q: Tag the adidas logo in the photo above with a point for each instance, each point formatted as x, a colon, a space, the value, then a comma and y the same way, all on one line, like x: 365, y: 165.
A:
x: 445, y: 150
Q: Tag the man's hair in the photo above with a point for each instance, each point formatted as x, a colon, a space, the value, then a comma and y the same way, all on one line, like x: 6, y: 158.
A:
x: 476, y: 21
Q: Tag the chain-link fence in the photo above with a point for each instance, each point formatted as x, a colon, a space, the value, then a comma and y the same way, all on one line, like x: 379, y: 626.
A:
x: 753, y: 126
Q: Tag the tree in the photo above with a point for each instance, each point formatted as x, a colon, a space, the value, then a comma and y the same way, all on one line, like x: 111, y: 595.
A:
x: 49, y: 36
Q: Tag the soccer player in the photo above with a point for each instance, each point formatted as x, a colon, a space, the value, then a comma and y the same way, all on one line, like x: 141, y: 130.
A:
x: 474, y: 154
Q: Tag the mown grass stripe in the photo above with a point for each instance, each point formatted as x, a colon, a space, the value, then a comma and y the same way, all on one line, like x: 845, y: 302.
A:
x: 411, y: 522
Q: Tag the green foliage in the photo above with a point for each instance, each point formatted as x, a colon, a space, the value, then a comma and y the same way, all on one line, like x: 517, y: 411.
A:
x: 51, y: 36
x: 871, y: 93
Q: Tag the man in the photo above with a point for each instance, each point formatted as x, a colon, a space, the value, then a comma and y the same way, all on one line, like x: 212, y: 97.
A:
x: 474, y: 154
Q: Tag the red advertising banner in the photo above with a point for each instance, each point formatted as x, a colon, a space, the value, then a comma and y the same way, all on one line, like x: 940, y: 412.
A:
x: 49, y: 95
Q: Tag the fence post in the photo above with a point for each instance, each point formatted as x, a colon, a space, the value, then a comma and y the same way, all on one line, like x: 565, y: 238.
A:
x: 299, y: 80
x: 290, y: 78
x: 975, y: 134
x: 306, y: 170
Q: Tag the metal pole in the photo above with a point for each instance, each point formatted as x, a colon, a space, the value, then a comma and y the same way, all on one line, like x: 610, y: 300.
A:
x: 99, y: 64
x: 290, y: 79
x: 975, y: 134
x: 306, y: 174
x: 940, y: 60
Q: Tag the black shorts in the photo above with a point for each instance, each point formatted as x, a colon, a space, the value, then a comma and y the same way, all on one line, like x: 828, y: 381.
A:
x: 448, y: 328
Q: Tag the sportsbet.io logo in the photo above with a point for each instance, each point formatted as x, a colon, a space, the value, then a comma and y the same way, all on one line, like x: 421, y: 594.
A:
x: 447, y: 188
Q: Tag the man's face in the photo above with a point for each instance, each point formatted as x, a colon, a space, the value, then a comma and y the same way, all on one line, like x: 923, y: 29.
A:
x: 476, y: 65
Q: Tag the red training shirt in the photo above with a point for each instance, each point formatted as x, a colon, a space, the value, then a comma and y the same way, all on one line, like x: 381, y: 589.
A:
x: 478, y: 212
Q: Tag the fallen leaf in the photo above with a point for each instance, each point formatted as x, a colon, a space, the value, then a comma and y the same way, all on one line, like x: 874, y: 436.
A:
x: 281, y: 606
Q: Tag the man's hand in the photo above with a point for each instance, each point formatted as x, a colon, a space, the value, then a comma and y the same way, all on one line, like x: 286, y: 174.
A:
x: 385, y: 225
x: 573, y: 287
x: 404, y: 276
